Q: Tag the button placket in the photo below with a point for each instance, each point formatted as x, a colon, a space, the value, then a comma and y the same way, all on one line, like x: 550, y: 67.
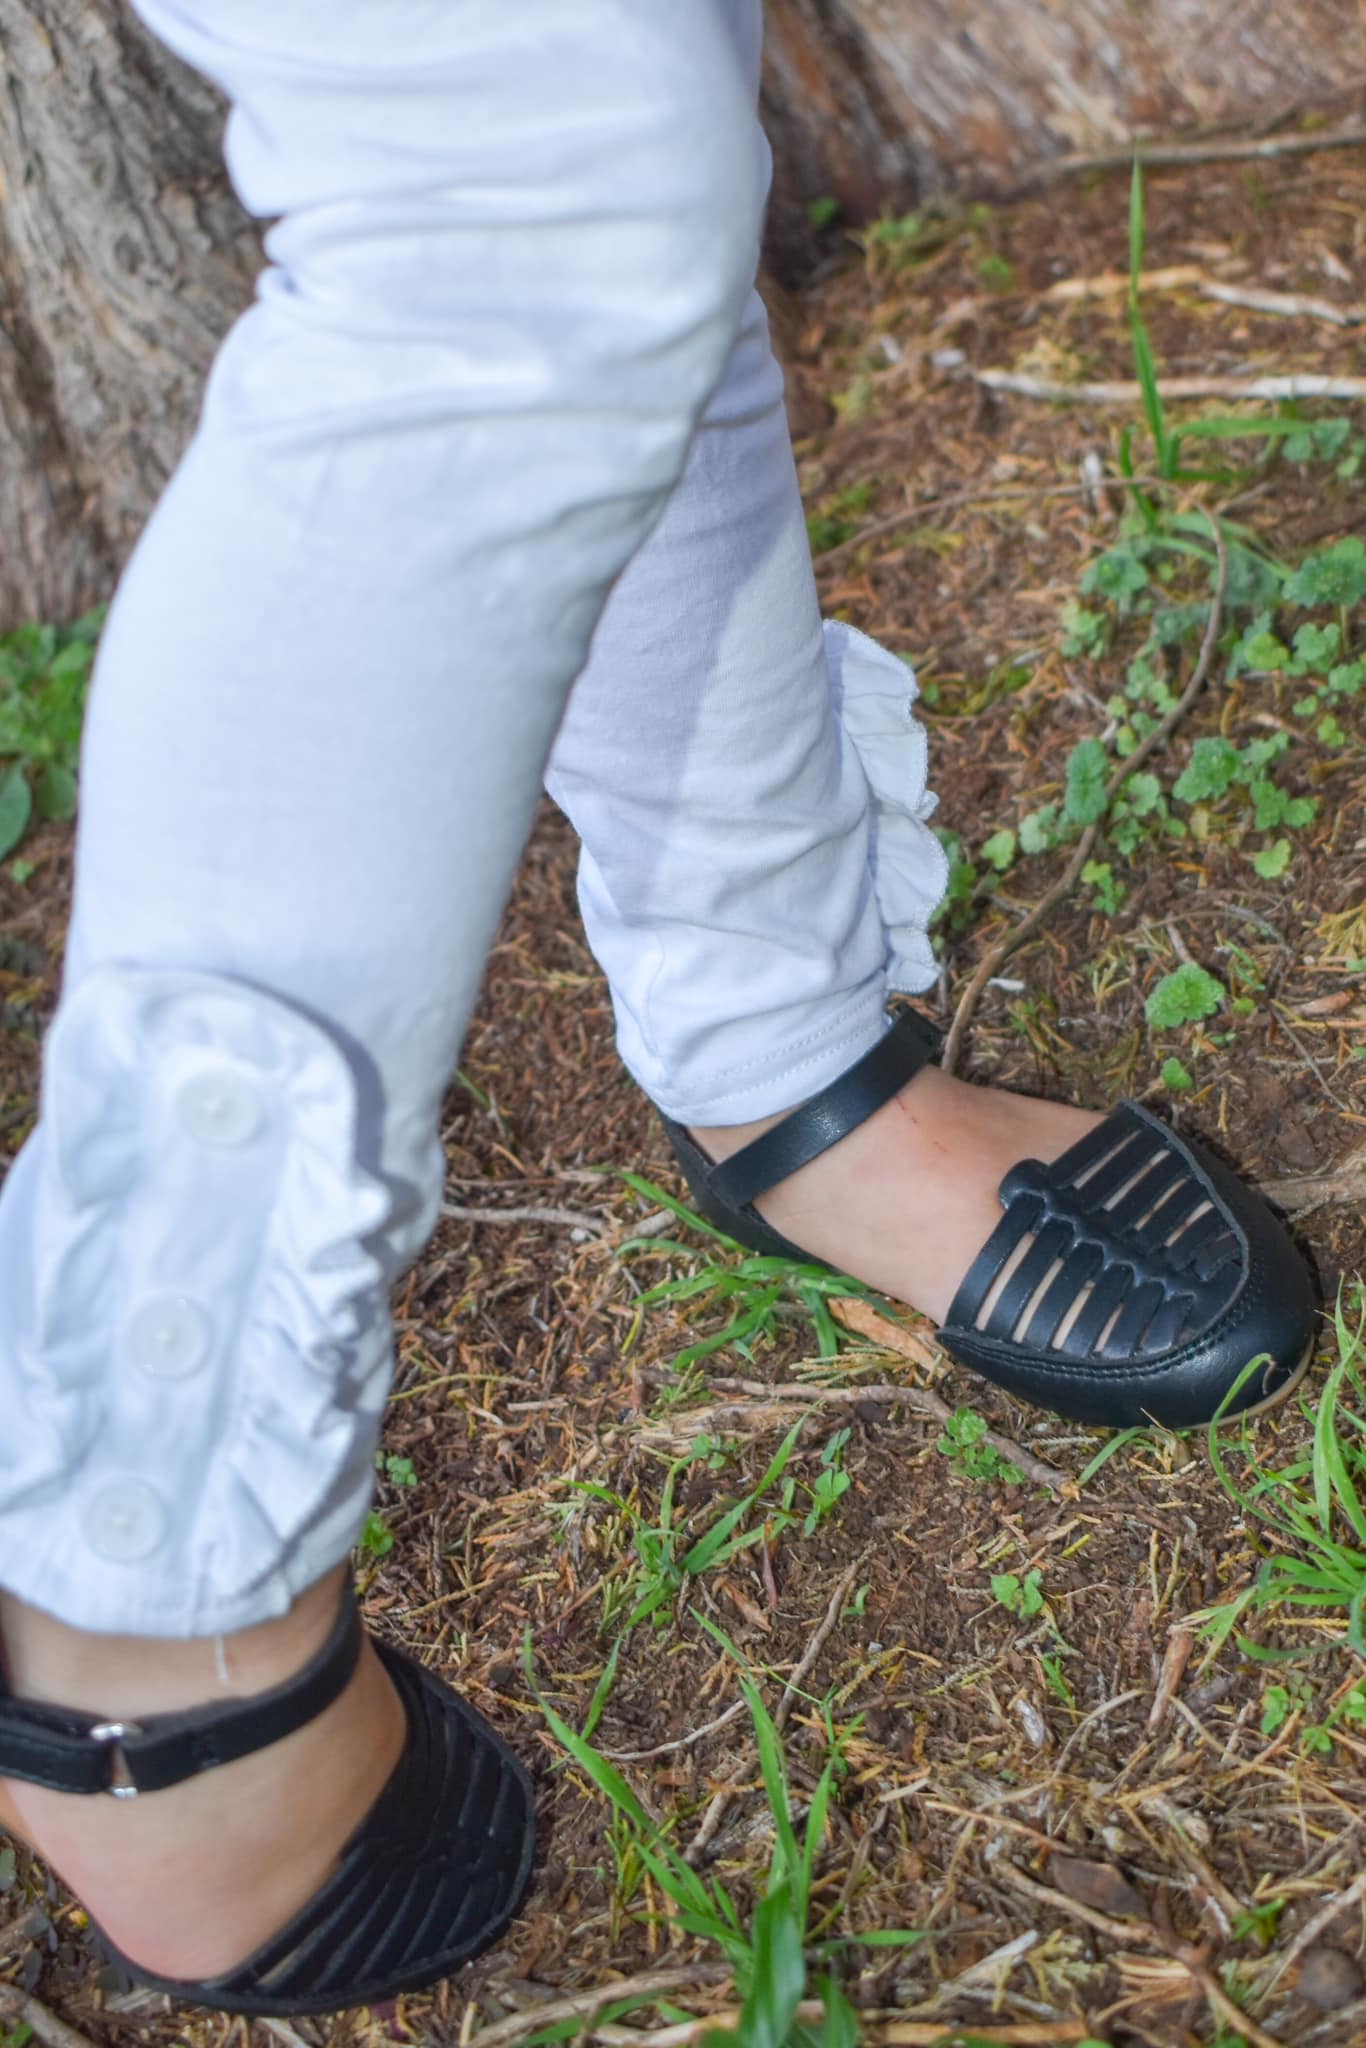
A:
x: 125, y: 1521
x: 220, y: 1106
x: 170, y: 1336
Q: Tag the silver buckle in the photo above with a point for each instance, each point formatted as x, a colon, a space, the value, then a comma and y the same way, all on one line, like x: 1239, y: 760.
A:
x: 111, y: 1734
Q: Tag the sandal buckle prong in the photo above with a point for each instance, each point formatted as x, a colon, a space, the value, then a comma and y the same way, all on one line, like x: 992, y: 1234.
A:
x: 111, y: 1736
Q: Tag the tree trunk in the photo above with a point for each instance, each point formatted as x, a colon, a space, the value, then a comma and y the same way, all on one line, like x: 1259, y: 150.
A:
x: 877, y: 102
x: 123, y: 256
x: 123, y: 259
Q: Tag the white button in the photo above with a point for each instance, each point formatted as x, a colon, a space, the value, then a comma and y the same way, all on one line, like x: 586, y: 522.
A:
x: 125, y: 1522
x: 170, y: 1336
x: 219, y: 1106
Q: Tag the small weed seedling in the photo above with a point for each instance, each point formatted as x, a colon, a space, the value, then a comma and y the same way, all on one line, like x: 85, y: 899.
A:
x: 756, y: 1290
x: 1023, y: 1597
x: 666, y: 1555
x: 376, y: 1537
x: 781, y: 1951
x: 832, y: 1482
x: 1311, y: 1521
x: 963, y: 1443
x: 399, y: 1471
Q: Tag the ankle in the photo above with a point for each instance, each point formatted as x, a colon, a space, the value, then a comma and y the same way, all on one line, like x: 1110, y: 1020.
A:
x: 723, y: 1141
x: 45, y: 1660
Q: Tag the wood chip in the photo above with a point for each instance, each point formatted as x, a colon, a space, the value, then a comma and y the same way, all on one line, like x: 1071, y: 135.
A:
x: 1328, y: 1979
x: 866, y: 1321
x: 1098, y: 1885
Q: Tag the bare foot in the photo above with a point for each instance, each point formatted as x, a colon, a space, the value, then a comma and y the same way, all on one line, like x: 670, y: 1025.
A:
x: 907, y: 1200
x: 189, y: 1882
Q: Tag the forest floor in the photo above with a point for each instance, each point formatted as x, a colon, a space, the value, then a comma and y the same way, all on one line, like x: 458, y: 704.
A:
x: 1104, y: 1824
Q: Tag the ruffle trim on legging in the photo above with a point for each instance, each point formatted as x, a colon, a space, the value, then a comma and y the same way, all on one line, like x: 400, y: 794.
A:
x: 874, y: 695
x: 206, y: 1341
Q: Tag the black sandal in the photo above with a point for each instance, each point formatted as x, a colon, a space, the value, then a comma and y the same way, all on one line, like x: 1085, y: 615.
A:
x: 1132, y: 1281
x: 432, y: 1875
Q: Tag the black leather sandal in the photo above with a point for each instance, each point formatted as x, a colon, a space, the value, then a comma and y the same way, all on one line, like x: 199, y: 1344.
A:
x: 432, y: 1875
x: 1132, y: 1281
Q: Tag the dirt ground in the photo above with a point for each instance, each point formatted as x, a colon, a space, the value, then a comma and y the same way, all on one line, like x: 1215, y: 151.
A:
x: 526, y: 1363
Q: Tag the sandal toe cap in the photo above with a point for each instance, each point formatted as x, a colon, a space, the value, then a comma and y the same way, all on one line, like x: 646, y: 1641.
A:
x: 1135, y: 1281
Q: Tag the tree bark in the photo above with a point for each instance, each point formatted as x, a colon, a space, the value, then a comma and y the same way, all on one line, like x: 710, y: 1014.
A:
x: 123, y: 259
x: 123, y: 255
x: 883, y: 102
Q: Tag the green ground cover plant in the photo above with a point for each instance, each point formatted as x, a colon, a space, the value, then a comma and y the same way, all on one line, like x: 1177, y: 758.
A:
x: 1145, y: 601
x: 44, y: 674
x: 1307, y: 1520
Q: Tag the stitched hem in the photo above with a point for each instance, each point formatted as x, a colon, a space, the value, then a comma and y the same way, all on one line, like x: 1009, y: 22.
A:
x: 767, y: 1087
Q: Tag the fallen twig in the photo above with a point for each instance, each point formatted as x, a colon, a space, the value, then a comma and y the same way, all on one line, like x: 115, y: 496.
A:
x: 645, y: 1756
x: 1283, y: 1024
x: 1299, y: 1194
x: 995, y: 960
x: 1232, y: 2016
x: 22, y: 2009
x: 890, y: 2033
x: 817, y: 1643
x: 720, y: 1801
x: 562, y: 1219
x: 1190, y: 277
x: 1023, y: 2034
x: 857, y: 1315
x: 1157, y: 155
x: 283, y: 2031
x: 918, y: 1399
x: 583, y: 2004
x: 1307, y: 384
x: 1180, y: 1643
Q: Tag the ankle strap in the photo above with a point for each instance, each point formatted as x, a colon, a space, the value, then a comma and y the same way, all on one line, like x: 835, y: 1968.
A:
x: 71, y: 1751
x: 911, y: 1044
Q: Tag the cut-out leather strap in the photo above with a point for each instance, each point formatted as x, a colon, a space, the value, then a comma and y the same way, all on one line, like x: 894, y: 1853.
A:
x: 1106, y: 1225
x: 909, y: 1045
x: 71, y: 1751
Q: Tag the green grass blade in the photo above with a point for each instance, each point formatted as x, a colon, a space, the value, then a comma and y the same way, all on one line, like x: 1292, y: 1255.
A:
x: 779, y: 1972
x: 705, y: 1549
x: 787, y: 1859
x: 571, y: 2029
x: 1103, y: 1456
x: 817, y: 1815
x: 1356, y: 1620
x: 680, y: 1883
x: 759, y: 1317
x: 1332, y: 1481
x: 773, y: 1766
x: 608, y: 1781
x: 650, y: 1191
x: 839, y: 2029
x: 601, y: 1691
x: 648, y: 1604
x: 890, y: 1937
x: 1144, y: 361
x: 1137, y: 225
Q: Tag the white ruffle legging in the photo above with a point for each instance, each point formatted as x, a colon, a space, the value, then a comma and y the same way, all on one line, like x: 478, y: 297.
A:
x: 506, y: 358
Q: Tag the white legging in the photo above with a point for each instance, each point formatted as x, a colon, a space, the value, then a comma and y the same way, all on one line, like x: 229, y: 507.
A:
x: 511, y: 271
